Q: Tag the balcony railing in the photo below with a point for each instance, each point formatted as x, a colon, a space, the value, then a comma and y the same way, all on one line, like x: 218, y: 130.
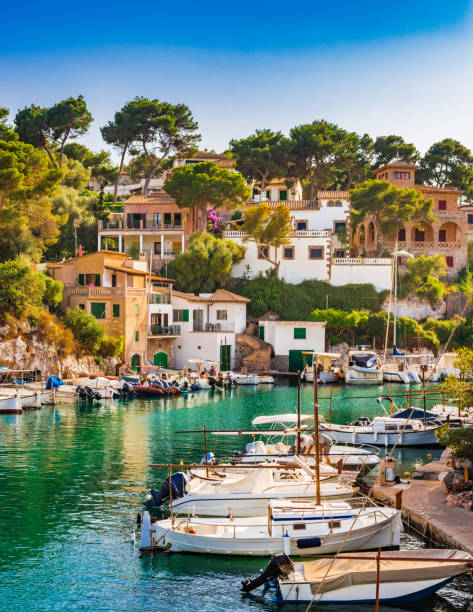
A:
x: 294, y: 234
x: 361, y: 261
x: 158, y: 298
x: 146, y: 224
x: 99, y: 291
x: 162, y: 330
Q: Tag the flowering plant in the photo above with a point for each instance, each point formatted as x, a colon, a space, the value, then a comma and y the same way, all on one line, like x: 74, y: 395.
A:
x: 213, y: 221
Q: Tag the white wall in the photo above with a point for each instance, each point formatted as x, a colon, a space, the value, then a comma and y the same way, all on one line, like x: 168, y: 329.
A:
x: 374, y: 271
x: 280, y: 334
x: 324, y: 218
x: 236, y: 316
x: 204, y: 345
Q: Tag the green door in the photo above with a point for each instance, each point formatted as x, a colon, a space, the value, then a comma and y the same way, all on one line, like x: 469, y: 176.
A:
x: 298, y: 360
x: 161, y: 359
x: 225, y: 352
x: 261, y: 332
x: 136, y: 363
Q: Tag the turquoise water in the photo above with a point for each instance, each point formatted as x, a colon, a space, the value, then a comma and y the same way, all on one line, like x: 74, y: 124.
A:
x: 72, y: 480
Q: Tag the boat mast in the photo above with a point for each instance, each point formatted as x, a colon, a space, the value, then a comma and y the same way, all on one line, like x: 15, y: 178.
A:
x: 316, y: 431
x: 395, y: 298
x: 298, y: 412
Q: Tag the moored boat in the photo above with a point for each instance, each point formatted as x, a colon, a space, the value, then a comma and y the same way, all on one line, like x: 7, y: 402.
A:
x: 363, y: 368
x: 404, y: 576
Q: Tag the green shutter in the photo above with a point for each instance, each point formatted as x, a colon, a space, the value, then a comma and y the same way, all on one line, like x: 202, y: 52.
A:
x: 261, y: 332
x: 185, y: 316
x: 97, y: 309
x: 82, y: 279
x: 299, y: 333
x: 283, y: 195
x: 137, y: 336
x: 137, y: 310
x: 116, y: 310
x: 97, y: 280
x: 268, y: 195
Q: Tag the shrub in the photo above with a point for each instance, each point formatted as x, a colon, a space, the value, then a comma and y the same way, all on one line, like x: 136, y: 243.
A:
x: 85, y: 328
x: 112, y: 346
x: 460, y: 441
x: 53, y: 292
x: 20, y: 286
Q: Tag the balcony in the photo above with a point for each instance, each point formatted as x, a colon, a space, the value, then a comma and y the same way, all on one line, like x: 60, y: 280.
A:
x: 121, y: 224
x: 161, y: 330
x: 158, y: 298
x: 99, y: 291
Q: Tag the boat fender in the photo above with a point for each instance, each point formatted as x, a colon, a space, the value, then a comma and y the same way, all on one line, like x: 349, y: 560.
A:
x: 208, y: 459
x: 286, y: 544
x: 308, y: 542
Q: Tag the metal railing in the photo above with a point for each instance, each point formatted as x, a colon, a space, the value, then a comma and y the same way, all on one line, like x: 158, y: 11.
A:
x: 158, y: 298
x: 163, y: 330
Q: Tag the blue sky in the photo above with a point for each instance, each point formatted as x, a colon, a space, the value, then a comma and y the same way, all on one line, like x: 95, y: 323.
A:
x: 403, y: 67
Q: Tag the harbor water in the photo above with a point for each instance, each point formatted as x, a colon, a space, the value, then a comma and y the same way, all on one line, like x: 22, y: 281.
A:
x: 72, y: 479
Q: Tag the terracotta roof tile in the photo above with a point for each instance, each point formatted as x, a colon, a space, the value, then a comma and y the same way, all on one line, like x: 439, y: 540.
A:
x: 156, y: 198
x: 222, y: 295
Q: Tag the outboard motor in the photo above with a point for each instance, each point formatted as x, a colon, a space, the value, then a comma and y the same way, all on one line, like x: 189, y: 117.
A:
x: 179, y: 482
x: 279, y: 565
x: 212, y: 382
x: 195, y: 387
x: 208, y: 459
x: 91, y: 394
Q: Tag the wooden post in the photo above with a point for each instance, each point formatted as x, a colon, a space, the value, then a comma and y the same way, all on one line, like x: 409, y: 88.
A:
x: 298, y: 413
x: 465, y: 474
x: 398, y: 501
x: 316, y: 432
x: 270, y: 526
x: 378, y: 576
x: 423, y: 393
x: 205, y: 448
x: 170, y: 496
x: 331, y: 391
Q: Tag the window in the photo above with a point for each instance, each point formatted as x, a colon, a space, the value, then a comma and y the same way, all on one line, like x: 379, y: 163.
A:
x: 301, y: 225
x: 339, y: 253
x: 114, y: 280
x: 299, y: 333
x: 268, y: 195
x: 167, y: 219
x: 137, y: 336
x: 470, y: 218
x: 157, y: 219
x: 449, y: 260
x: 442, y: 235
x: 263, y: 252
x: 81, y: 306
x: 338, y: 204
x: 330, y: 204
x: 157, y: 248
x: 137, y: 310
x: 288, y: 252
x: 180, y: 316
x: 283, y: 194
x: 419, y: 235
x: 401, y: 235
x: 97, y: 309
x: 316, y: 252
x: 401, y: 175
x: 81, y: 280
x: 442, y: 204
x: 115, y: 311
x: 340, y: 226
x: 221, y: 315
x: 178, y: 219
x: 89, y: 279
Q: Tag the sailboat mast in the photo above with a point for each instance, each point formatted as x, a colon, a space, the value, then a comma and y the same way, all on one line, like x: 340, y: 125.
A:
x: 298, y: 412
x: 395, y: 298
x: 316, y: 432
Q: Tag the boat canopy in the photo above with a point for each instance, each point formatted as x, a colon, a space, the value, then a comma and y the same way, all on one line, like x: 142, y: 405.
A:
x: 280, y: 418
x: 330, y: 574
x: 364, y: 360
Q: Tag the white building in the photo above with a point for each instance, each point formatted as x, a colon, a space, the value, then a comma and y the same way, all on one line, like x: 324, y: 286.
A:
x: 318, y: 247
x: 183, y: 326
x: 291, y: 339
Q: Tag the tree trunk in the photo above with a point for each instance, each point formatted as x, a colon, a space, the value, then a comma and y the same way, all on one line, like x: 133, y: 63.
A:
x: 53, y: 161
x: 117, y: 180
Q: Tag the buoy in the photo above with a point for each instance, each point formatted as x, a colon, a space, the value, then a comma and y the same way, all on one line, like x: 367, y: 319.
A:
x: 406, y: 475
x: 429, y: 456
x: 181, y: 462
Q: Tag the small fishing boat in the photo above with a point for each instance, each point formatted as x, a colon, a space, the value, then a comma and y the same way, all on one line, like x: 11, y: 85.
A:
x: 149, y: 391
x: 10, y: 404
x: 403, y: 576
x: 293, y: 527
x: 383, y: 431
x: 328, y: 372
x: 265, y: 379
x: 363, y: 368
x: 246, y: 379
x: 241, y: 494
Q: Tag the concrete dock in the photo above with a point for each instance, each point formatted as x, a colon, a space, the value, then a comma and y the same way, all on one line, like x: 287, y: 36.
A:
x: 424, y: 508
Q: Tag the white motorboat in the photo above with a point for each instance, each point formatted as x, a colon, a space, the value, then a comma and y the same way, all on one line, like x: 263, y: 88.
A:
x: 363, y: 368
x: 265, y: 379
x: 353, y: 458
x: 10, y: 404
x: 404, y: 576
x: 383, y: 431
x: 217, y: 493
x: 246, y: 379
x: 296, y: 528
x: 393, y: 372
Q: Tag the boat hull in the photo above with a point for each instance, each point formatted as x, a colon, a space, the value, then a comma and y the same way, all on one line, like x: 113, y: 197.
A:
x: 414, y: 438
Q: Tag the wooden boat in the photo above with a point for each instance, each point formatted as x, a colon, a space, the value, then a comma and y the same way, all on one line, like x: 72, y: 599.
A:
x: 10, y: 404
x: 245, y: 494
x: 383, y: 431
x: 404, y: 576
x: 297, y: 528
x: 327, y: 370
x: 148, y: 391
x: 246, y: 379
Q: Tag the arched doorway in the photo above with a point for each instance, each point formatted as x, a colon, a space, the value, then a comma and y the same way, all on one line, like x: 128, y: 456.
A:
x: 449, y: 232
x: 136, y: 363
x: 161, y: 359
x: 422, y: 234
x: 361, y: 236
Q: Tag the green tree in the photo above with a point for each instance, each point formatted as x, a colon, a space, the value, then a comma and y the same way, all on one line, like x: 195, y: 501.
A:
x: 340, y: 323
x: 27, y: 183
x: 201, y: 185
x: 86, y: 329
x: 389, y: 205
x: 51, y: 128
x: 448, y: 164
x: 206, y: 264
x: 163, y: 130
x: 268, y: 228
x: 353, y: 161
x: 52, y: 296
x: 6, y: 132
x: 262, y: 157
x: 422, y: 277
x: 20, y: 287
x: 319, y: 152
x: 459, y: 388
x: 393, y: 148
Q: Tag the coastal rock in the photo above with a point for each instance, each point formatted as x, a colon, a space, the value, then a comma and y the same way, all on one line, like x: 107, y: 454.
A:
x: 415, y: 308
x: 454, y: 481
x: 461, y: 500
